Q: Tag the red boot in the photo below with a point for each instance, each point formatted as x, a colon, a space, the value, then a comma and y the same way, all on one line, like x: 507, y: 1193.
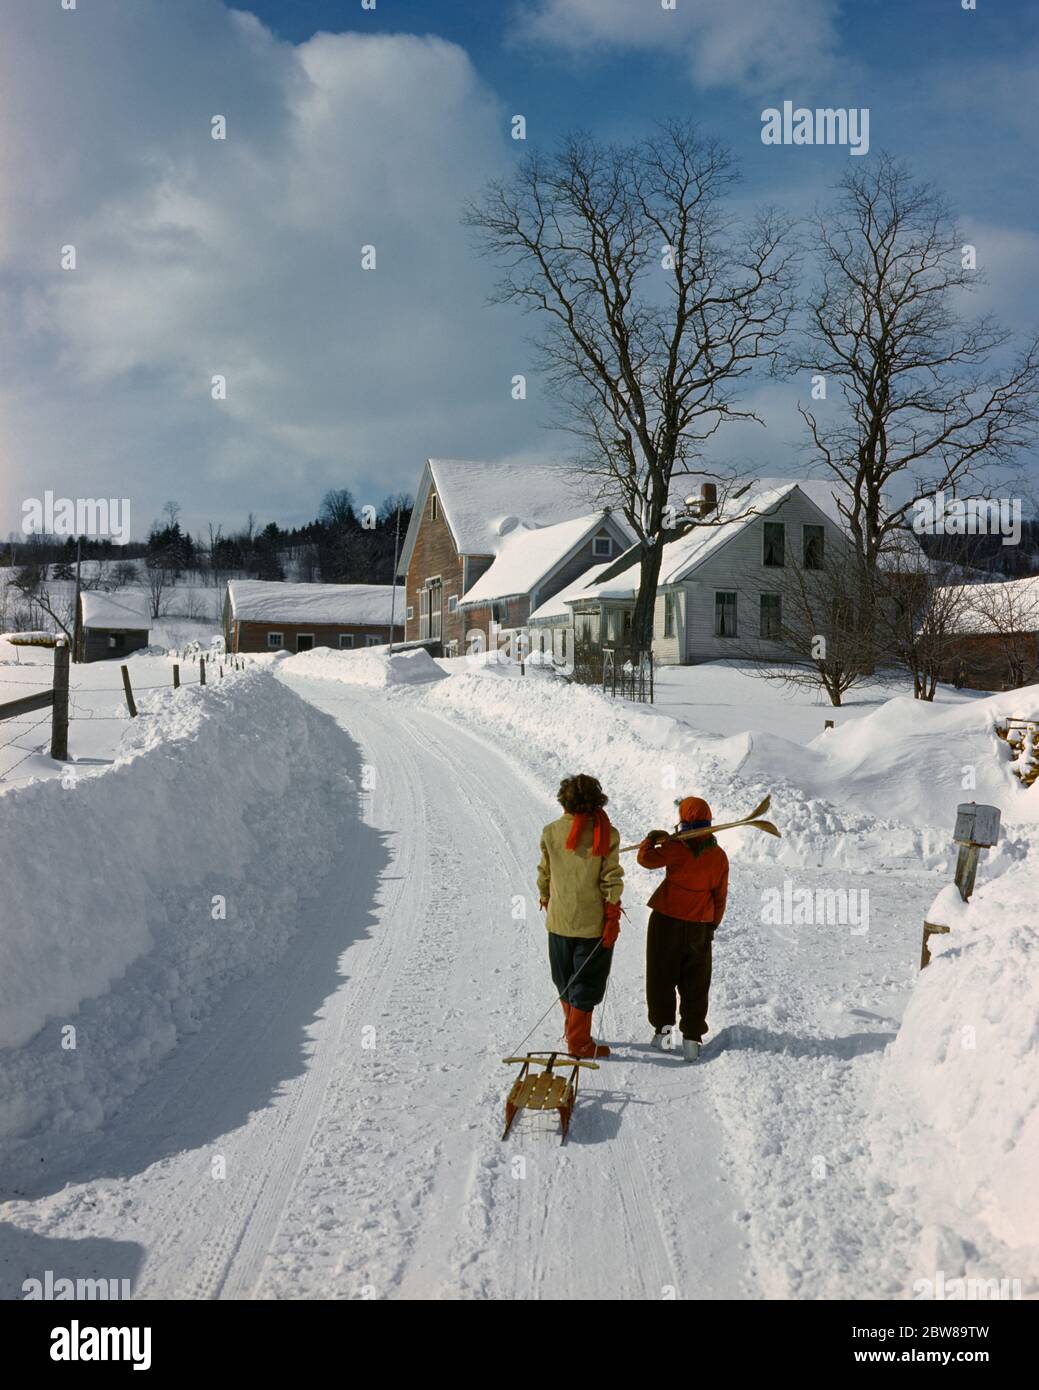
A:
x: 579, y: 1035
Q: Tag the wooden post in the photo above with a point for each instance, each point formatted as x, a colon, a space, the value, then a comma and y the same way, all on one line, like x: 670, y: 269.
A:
x: 60, y: 711
x: 176, y: 676
x: 202, y: 670
x: 977, y: 828
x: 129, y: 692
x: 221, y: 673
x: 828, y: 724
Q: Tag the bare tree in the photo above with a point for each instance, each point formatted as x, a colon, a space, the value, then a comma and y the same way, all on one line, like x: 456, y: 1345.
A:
x: 159, y: 584
x: 654, y: 303
x: 883, y: 324
x: 920, y: 617
x: 337, y: 508
x: 1009, y: 613
x: 808, y: 631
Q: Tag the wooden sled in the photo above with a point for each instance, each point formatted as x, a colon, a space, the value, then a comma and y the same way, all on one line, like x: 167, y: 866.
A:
x: 544, y: 1090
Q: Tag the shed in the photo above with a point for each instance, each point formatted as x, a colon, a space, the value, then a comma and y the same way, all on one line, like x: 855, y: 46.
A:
x: 112, y: 625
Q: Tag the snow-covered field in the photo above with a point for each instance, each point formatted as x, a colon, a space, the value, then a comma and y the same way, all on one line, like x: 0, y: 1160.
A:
x: 304, y: 1099
x: 97, y: 704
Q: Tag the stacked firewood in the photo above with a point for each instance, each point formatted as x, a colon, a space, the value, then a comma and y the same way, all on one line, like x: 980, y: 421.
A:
x: 1022, y: 737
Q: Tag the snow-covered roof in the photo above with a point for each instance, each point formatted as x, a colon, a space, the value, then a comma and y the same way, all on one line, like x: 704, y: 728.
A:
x: 262, y: 601
x: 120, y: 611
x: 528, y: 554
x: 587, y: 586
x: 1006, y: 606
x: 483, y: 502
x: 682, y: 556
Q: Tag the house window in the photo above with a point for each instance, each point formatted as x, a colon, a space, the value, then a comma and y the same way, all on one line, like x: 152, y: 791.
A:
x: 669, y: 615
x: 371, y: 640
x: 411, y: 612
x: 435, y: 599
x: 602, y: 547
x: 116, y: 641
x: 771, y: 616
x: 452, y: 603
x: 423, y: 612
x: 500, y: 612
x: 813, y: 547
x: 725, y: 614
x: 774, y: 556
x: 434, y: 507
x: 346, y: 639
x: 275, y: 641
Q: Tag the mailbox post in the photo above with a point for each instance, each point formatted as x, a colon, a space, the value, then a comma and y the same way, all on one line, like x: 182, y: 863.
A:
x: 977, y: 828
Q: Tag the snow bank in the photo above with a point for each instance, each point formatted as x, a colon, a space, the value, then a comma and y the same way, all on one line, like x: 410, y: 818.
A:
x: 111, y: 888
x: 374, y: 667
x: 908, y: 759
x: 646, y: 759
x: 955, y: 1121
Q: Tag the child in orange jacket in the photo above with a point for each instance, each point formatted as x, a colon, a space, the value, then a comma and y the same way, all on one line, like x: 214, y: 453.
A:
x: 686, y: 910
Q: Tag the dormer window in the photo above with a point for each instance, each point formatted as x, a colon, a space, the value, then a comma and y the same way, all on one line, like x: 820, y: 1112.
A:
x: 434, y: 506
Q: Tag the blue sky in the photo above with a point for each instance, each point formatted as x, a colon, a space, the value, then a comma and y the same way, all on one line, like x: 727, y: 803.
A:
x: 348, y: 127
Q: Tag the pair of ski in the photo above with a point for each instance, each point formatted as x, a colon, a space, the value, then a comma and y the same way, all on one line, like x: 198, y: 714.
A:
x: 549, y: 1089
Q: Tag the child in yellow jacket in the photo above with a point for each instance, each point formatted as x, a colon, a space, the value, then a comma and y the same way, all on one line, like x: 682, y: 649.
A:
x: 580, y: 881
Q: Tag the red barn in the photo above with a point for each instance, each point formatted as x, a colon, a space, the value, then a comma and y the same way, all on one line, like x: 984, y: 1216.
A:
x: 261, y: 616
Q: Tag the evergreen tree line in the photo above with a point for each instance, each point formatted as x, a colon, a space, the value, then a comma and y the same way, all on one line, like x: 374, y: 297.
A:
x: 344, y: 544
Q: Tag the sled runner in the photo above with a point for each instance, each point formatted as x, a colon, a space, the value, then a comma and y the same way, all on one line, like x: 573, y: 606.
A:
x: 544, y: 1090
x: 752, y: 819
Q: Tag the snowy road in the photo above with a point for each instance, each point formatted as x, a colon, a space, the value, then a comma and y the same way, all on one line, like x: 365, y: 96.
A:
x: 333, y: 1131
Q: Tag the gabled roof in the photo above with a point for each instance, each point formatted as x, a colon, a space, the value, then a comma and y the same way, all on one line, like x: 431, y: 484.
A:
x: 587, y: 586
x: 262, y: 601
x: 129, y: 612
x: 483, y: 501
x: 528, y: 556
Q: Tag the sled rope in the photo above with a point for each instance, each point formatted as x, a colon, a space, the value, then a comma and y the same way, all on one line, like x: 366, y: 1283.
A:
x: 559, y: 998
x: 750, y: 820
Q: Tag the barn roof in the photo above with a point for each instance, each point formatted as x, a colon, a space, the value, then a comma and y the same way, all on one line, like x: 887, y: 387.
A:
x: 1005, y: 606
x: 125, y: 612
x: 262, y: 601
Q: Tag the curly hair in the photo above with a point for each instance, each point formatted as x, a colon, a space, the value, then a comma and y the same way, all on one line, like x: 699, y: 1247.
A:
x: 581, y: 795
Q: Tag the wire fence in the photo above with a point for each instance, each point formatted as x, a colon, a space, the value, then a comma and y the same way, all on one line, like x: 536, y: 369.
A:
x: 68, y: 705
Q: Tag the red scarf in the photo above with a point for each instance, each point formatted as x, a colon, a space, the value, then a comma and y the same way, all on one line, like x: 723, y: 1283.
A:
x: 600, y: 833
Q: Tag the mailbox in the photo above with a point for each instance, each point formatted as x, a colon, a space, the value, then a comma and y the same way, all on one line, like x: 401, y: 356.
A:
x: 976, y: 825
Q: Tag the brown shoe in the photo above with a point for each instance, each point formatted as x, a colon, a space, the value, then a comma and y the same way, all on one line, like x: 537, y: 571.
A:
x: 579, y: 1035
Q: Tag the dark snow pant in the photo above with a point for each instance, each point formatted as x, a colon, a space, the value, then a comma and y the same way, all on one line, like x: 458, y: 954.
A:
x: 569, y: 954
x: 678, y: 957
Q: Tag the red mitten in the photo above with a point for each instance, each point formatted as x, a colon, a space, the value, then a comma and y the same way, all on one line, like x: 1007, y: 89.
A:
x: 611, y: 923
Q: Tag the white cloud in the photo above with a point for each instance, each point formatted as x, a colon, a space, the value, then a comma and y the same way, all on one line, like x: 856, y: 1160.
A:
x: 723, y: 42
x: 243, y: 258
